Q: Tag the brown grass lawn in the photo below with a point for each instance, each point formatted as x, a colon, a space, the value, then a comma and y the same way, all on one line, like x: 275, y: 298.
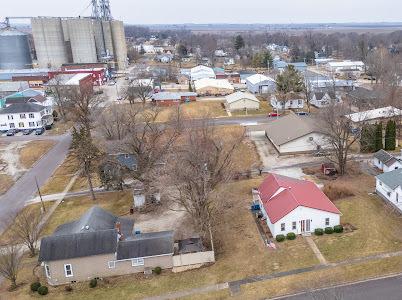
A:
x: 71, y: 209
x: 5, y: 183
x: 60, y: 127
x: 194, y: 110
x: 61, y: 177
x: 265, y: 108
x: 377, y: 230
x: 240, y: 251
x: 33, y: 151
x: 6, y: 237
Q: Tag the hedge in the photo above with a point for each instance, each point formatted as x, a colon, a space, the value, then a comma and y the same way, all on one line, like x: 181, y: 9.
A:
x: 43, y: 290
x: 35, y: 286
x: 93, y: 283
x: 280, y: 238
x: 319, y: 231
x: 157, y: 270
x: 338, y: 228
x: 291, y: 236
x: 329, y: 230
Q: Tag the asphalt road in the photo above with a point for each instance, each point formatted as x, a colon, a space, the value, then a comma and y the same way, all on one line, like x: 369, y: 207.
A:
x: 389, y: 288
x: 25, y: 188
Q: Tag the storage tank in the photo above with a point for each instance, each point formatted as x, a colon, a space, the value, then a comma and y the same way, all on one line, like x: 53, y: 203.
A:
x: 82, y: 40
x: 51, y: 48
x: 119, y: 44
x: 14, y: 49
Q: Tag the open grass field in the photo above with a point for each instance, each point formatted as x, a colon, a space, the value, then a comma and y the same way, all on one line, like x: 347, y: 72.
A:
x: 33, y: 151
x: 6, y: 182
x: 378, y: 230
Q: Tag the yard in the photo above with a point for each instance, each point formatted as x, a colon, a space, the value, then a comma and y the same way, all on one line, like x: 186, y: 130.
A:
x: 33, y: 151
x: 265, y: 109
x: 6, y: 182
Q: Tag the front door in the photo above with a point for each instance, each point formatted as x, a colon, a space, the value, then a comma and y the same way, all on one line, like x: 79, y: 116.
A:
x: 305, y: 226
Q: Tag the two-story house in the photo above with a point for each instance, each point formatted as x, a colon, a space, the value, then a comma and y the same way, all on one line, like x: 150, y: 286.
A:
x: 25, y: 116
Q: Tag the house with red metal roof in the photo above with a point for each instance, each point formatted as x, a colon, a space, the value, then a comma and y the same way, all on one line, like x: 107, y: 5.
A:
x: 293, y: 205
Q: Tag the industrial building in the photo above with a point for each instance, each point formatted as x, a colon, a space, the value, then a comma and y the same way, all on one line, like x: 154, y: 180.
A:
x: 60, y: 41
x: 15, y: 51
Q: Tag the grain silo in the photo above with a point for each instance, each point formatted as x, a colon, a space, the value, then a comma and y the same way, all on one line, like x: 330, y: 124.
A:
x: 82, y: 40
x: 50, y: 44
x: 14, y: 49
x: 119, y: 44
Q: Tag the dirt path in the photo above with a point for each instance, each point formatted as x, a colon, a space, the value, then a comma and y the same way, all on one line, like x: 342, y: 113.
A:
x: 9, y: 156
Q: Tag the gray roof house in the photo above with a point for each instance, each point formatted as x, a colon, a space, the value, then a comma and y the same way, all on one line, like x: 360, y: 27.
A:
x: 293, y: 134
x: 386, y: 162
x: 389, y: 188
x: 100, y: 244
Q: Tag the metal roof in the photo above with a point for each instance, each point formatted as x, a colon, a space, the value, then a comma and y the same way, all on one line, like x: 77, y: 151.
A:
x: 258, y: 79
x: 240, y: 96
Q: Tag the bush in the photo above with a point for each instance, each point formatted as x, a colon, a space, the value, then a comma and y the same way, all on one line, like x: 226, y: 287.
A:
x: 35, y: 286
x: 336, y: 191
x: 93, y: 283
x: 291, y: 236
x: 329, y: 230
x: 280, y: 238
x: 318, y: 231
x: 157, y: 270
x: 43, y: 290
x: 338, y: 228
x: 68, y: 288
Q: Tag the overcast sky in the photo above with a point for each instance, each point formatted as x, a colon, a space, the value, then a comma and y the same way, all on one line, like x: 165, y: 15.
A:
x: 218, y: 11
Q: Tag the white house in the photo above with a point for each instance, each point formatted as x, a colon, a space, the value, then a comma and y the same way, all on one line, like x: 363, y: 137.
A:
x: 389, y: 187
x: 242, y: 101
x: 323, y: 99
x: 374, y: 115
x: 339, y: 67
x: 25, y: 116
x: 292, y: 134
x: 287, y: 101
x: 293, y: 205
x: 386, y: 162
x: 260, y: 84
x: 201, y: 72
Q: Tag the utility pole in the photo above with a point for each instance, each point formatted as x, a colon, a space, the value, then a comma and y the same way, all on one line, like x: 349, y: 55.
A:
x: 40, y: 195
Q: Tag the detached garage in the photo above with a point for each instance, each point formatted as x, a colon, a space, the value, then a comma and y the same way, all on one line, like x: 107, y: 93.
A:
x: 209, y: 87
x: 242, y: 101
x: 260, y: 84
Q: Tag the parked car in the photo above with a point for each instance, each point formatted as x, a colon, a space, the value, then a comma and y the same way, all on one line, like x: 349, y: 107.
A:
x: 27, y: 131
x: 11, y: 132
x: 111, y: 83
x: 273, y: 114
x: 39, y: 131
x: 302, y: 113
x: 119, y: 98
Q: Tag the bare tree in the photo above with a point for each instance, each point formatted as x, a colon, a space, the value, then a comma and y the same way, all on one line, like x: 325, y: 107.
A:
x: 201, y: 163
x: 26, y: 227
x: 339, y: 133
x: 150, y: 142
x: 140, y: 89
x: 10, y: 260
x: 113, y: 122
x: 86, y: 153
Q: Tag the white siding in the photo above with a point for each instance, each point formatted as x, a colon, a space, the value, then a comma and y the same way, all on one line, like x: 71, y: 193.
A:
x: 393, y: 196
x: 290, y: 104
x: 307, y: 143
x: 241, y: 104
x: 14, y: 121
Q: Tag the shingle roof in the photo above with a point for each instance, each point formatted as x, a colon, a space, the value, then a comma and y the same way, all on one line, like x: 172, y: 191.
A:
x: 215, y: 83
x: 22, y: 108
x: 280, y: 195
x: 239, y: 96
x: 146, y: 244
x: 93, y: 234
x: 320, y: 95
x: 391, y: 179
x: 127, y: 160
x: 78, y: 245
x: 383, y: 156
x: 289, y: 128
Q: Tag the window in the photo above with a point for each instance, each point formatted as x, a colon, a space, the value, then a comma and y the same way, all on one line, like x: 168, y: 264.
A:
x: 47, y: 271
x: 68, y: 270
x: 380, y: 183
x: 283, y: 227
x: 31, y: 124
x: 12, y: 125
x: 22, y: 116
x: 389, y: 194
x: 111, y: 264
x: 21, y: 124
x: 326, y: 221
x: 10, y: 117
x: 293, y: 225
x: 31, y: 116
x: 135, y: 262
x: 299, y: 102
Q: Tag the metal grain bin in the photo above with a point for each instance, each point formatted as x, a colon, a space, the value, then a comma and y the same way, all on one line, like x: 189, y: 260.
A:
x: 14, y: 49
